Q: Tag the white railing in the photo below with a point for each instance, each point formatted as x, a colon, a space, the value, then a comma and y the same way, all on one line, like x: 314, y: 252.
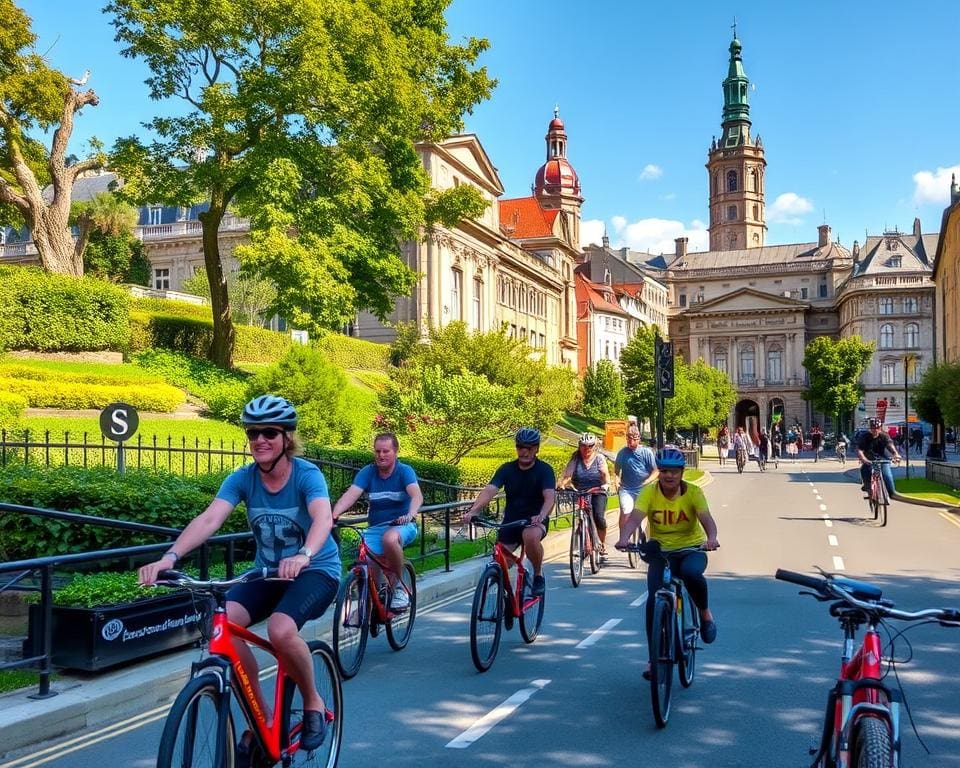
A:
x: 191, y: 228
x: 17, y: 250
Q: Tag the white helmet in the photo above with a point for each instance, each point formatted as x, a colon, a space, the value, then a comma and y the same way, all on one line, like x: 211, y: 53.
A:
x: 588, y: 438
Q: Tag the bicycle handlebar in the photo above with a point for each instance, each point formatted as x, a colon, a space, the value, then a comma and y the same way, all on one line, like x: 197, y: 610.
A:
x: 481, y: 523
x: 866, y: 596
x: 172, y: 578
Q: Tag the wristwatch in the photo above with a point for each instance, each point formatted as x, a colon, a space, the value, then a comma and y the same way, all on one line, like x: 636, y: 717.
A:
x: 306, y: 551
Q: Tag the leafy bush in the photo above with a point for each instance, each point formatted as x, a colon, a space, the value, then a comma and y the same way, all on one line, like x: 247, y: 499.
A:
x: 52, y: 389
x: 603, y: 395
x: 50, y: 312
x: 348, y: 352
x: 172, y: 307
x: 11, y: 411
x: 92, y: 590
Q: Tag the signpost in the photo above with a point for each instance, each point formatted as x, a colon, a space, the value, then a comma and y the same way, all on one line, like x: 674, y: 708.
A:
x: 119, y: 422
x: 663, y: 376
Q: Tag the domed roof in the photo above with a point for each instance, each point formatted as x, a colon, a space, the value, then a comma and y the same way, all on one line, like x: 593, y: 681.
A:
x: 557, y: 176
x: 556, y: 125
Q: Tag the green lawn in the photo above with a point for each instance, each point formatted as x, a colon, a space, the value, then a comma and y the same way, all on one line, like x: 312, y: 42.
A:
x: 576, y: 422
x: 922, y: 488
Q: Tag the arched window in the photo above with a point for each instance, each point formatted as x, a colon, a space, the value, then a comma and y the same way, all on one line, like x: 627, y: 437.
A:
x: 888, y: 372
x: 731, y: 181
x: 911, y: 335
x: 886, y: 336
x: 886, y: 306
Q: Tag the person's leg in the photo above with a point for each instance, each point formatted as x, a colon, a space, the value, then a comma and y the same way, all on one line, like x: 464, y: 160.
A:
x: 599, y: 502
x: 238, y: 614
x: 865, y: 470
x: 393, y: 553
x: 654, y: 582
x: 627, y: 501
x: 886, y: 470
x: 533, y: 548
x: 690, y: 567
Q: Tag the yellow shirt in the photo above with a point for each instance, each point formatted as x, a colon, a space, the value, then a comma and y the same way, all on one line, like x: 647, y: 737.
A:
x: 675, y: 523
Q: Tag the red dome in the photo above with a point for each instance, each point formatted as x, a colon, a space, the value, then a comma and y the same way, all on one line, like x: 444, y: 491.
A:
x: 557, y: 176
x: 556, y: 125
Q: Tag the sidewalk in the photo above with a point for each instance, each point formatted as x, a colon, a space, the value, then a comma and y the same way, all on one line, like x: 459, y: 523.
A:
x: 87, y: 701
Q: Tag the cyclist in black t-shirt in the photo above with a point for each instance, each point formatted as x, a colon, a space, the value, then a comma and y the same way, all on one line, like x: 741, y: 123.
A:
x: 874, y: 446
x: 529, y: 486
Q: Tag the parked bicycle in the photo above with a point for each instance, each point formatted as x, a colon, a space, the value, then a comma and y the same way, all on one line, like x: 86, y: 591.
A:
x: 879, y: 496
x: 364, y: 605
x: 674, y: 633
x: 496, y: 603
x: 861, y: 723
x: 199, y: 731
x: 584, y: 539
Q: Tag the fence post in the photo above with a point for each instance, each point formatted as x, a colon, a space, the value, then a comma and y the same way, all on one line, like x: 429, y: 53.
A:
x: 46, y: 614
x: 121, y: 458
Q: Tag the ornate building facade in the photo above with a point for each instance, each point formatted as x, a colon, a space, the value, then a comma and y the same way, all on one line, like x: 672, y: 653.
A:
x: 946, y: 276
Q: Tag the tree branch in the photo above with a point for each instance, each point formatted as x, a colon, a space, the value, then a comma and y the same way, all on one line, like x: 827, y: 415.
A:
x: 9, y: 196
x: 73, y: 101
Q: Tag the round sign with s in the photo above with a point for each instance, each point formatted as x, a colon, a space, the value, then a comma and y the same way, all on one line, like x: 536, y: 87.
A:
x: 119, y: 422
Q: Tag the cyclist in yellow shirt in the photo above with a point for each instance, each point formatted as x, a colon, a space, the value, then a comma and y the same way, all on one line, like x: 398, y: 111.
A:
x: 678, y: 517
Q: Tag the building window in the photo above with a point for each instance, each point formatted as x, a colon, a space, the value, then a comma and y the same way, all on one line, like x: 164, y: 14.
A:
x: 886, y: 336
x: 888, y: 372
x: 720, y: 361
x: 161, y: 278
x: 183, y: 213
x: 823, y: 290
x: 731, y: 213
x: 731, y: 181
x: 911, y: 306
x: 774, y: 365
x: 747, y: 371
x: 456, y: 291
x: 606, y: 350
x: 477, y: 295
x: 683, y: 299
x: 155, y: 214
x: 911, y: 335
x: 894, y: 261
x: 886, y: 306
x: 804, y: 293
x: 915, y: 373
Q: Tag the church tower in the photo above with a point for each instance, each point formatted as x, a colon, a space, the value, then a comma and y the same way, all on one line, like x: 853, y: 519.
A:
x: 735, y: 169
x: 557, y: 185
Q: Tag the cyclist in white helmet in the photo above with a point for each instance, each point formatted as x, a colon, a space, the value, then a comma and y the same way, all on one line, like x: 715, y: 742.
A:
x: 588, y: 469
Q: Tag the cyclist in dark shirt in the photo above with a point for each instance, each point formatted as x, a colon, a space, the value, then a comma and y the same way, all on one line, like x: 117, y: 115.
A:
x: 874, y: 446
x: 529, y: 485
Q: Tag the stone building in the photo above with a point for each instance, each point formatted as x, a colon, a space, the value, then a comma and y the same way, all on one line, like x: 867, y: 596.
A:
x: 946, y: 276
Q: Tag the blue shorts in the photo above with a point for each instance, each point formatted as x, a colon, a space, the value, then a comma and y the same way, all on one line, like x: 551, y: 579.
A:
x: 373, y: 535
x: 304, y: 598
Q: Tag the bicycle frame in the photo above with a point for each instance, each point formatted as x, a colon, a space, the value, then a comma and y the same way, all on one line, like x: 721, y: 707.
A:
x: 878, y: 486
x: 365, y: 557
x: 501, y: 555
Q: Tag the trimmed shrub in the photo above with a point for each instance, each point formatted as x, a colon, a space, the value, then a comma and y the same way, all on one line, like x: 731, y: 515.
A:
x: 49, y: 312
x: 11, y: 411
x: 72, y: 392
x: 348, y: 352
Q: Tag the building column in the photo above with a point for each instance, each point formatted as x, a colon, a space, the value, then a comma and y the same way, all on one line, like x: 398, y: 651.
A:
x: 762, y: 359
x: 735, y: 362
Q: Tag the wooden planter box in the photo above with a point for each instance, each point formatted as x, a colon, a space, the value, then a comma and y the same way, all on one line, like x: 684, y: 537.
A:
x: 93, y: 639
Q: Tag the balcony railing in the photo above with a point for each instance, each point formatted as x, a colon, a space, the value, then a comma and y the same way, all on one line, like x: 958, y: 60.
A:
x: 17, y: 250
x: 191, y: 228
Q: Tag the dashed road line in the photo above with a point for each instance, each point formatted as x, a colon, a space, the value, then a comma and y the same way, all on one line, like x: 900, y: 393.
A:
x: 489, y: 720
x: 823, y: 507
x: 832, y: 540
x: 827, y: 521
x: 639, y: 601
x: 594, y: 636
x: 838, y: 563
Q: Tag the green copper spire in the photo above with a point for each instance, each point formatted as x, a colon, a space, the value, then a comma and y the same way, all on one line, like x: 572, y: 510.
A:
x: 736, y: 110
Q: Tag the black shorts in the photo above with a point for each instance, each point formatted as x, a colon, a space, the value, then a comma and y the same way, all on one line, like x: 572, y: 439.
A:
x: 513, y: 536
x: 304, y: 598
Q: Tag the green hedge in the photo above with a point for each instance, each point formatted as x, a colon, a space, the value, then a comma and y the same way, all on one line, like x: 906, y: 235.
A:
x: 74, y: 393
x: 141, y: 496
x: 348, y: 352
x: 48, y: 312
x: 193, y: 336
x: 11, y: 411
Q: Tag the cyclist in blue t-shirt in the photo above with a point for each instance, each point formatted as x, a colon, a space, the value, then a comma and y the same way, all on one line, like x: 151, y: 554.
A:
x: 394, y: 499
x: 288, y: 508
x: 635, y: 466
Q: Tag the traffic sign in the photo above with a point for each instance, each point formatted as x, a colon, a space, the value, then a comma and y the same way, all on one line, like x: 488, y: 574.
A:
x: 119, y: 422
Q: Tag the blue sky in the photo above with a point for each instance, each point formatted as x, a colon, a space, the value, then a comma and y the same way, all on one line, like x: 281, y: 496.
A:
x: 856, y: 102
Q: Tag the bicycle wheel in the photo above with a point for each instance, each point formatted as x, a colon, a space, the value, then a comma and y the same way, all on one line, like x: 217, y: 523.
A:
x: 531, y: 613
x: 401, y: 625
x: 485, y: 618
x: 661, y: 661
x: 327, y: 679
x: 872, y: 747
x: 351, y: 622
x: 633, y: 557
x: 741, y: 462
x: 883, y: 502
x: 577, y: 548
x: 594, y: 545
x: 191, y: 735
x: 687, y: 637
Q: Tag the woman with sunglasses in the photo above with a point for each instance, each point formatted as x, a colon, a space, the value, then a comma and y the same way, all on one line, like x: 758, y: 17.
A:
x: 288, y: 508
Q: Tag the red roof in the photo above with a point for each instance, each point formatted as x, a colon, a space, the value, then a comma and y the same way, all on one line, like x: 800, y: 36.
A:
x: 523, y: 217
x: 593, y: 297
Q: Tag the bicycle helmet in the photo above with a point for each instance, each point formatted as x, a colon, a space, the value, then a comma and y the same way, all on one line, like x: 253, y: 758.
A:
x: 588, y: 438
x: 528, y: 436
x: 270, y: 409
x: 874, y: 424
x: 670, y: 458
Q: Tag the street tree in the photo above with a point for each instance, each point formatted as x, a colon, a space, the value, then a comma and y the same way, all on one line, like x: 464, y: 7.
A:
x: 834, y: 369
x: 603, y: 396
x: 35, y: 99
x: 716, y: 394
x: 106, y: 213
x: 250, y: 295
x: 302, y: 115
x: 936, y: 397
x: 637, y: 366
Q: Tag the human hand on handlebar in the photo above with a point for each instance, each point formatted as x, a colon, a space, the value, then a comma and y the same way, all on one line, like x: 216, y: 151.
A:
x: 710, y: 544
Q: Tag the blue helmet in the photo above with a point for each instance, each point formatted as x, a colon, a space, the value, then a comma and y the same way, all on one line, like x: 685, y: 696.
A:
x: 669, y: 457
x: 270, y: 409
x: 528, y: 436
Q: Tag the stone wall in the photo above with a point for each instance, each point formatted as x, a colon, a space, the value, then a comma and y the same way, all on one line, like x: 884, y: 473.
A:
x: 941, y: 472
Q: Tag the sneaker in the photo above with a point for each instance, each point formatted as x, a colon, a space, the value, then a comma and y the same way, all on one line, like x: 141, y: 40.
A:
x: 708, y: 631
x: 314, y: 730
x: 400, y: 600
x: 539, y: 586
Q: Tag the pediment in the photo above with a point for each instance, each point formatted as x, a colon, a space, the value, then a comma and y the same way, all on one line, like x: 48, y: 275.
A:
x: 747, y: 300
x: 467, y: 153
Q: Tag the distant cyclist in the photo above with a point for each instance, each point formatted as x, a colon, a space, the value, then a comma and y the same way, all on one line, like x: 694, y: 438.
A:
x: 742, y: 443
x: 816, y: 440
x: 678, y: 517
x: 876, y: 446
x: 634, y: 467
x: 530, y: 488
x: 588, y: 469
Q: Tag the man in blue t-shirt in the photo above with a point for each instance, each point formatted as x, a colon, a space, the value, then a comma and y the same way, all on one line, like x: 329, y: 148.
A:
x: 634, y: 467
x: 529, y: 485
x: 394, y: 499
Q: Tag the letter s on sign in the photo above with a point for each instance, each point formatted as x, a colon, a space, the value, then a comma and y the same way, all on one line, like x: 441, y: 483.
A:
x: 119, y: 423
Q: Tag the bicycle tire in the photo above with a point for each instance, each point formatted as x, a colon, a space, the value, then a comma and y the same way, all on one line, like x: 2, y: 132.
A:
x: 400, y: 626
x: 191, y: 734
x: 872, y: 747
x: 531, y: 614
x: 741, y: 463
x: 883, y: 503
x: 486, y: 618
x: 327, y: 680
x: 633, y: 557
x: 594, y: 545
x: 661, y: 661
x: 577, y: 547
x: 687, y: 638
x: 351, y: 624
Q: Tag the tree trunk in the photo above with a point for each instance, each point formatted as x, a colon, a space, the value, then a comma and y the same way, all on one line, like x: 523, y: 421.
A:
x: 55, y: 245
x: 221, y: 350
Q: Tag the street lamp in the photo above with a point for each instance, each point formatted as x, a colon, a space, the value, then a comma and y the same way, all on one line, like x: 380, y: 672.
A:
x: 909, y: 361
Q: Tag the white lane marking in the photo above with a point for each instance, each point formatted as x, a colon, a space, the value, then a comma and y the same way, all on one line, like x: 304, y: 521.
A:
x: 833, y: 541
x: 827, y: 521
x: 810, y: 482
x: 485, y: 723
x: 823, y: 507
x: 594, y: 636
x: 639, y: 601
x: 838, y: 563
x: 815, y: 490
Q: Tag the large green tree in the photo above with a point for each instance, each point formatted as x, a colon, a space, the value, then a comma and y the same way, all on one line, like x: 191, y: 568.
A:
x: 250, y: 295
x: 834, y: 368
x: 936, y: 397
x: 603, y: 396
x: 302, y: 115
x: 35, y: 99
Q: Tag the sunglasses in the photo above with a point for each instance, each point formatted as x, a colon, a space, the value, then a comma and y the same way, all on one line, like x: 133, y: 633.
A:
x: 270, y: 433
x: 530, y: 446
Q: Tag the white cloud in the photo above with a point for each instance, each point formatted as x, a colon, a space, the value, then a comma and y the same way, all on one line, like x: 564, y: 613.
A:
x: 619, y: 222
x: 934, y: 187
x: 591, y: 232
x: 650, y: 172
x: 658, y: 235
x: 789, y: 208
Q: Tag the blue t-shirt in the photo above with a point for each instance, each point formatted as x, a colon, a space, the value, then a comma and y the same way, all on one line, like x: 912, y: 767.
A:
x: 634, y: 466
x: 524, y: 488
x: 388, y: 495
x: 280, y: 520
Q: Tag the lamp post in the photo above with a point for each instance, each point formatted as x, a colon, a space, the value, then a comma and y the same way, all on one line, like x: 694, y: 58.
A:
x: 908, y: 363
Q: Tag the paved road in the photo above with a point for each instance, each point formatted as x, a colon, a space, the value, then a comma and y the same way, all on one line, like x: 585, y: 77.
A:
x: 579, y: 699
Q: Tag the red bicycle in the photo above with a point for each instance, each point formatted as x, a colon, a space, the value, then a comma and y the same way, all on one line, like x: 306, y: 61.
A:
x: 584, y: 539
x: 199, y: 731
x: 363, y: 607
x: 861, y: 724
x: 496, y: 603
